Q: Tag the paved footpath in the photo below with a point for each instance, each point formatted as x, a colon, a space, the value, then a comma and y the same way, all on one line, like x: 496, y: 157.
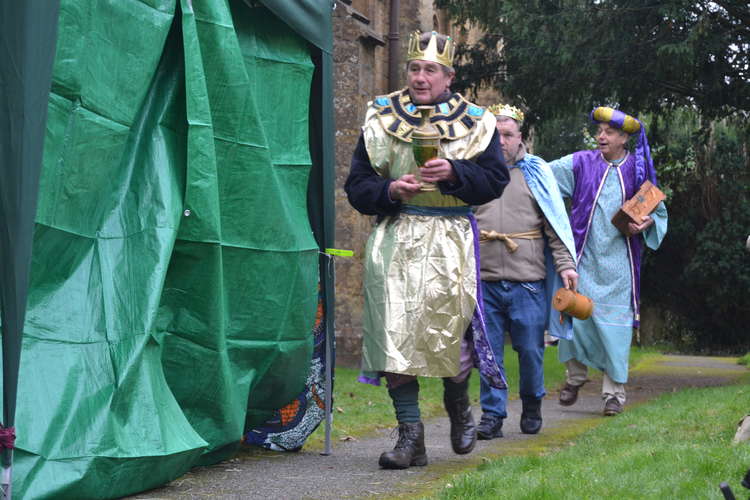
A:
x: 352, y: 470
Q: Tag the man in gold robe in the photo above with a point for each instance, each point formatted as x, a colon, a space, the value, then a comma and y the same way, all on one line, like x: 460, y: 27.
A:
x: 423, y: 313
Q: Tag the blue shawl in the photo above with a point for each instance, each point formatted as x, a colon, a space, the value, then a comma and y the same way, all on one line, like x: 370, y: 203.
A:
x: 543, y: 186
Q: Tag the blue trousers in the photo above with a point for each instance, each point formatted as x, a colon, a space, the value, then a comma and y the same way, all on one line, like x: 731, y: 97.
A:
x: 517, y: 308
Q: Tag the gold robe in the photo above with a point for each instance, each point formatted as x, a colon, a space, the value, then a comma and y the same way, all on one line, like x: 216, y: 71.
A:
x: 420, y: 270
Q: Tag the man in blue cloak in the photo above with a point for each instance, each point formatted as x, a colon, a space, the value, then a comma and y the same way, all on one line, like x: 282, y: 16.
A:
x: 527, y: 253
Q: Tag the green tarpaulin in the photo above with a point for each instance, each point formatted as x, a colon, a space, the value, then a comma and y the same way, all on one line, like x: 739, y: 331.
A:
x: 175, y: 270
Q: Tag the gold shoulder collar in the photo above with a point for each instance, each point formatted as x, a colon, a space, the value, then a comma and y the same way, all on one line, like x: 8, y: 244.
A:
x: 454, y: 118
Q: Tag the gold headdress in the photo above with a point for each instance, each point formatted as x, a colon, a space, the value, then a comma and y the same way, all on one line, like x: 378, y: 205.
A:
x: 505, y: 110
x: 430, y: 53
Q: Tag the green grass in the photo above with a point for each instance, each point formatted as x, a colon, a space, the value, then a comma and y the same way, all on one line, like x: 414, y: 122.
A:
x: 640, y: 356
x: 744, y: 360
x: 361, y: 409
x: 678, y: 446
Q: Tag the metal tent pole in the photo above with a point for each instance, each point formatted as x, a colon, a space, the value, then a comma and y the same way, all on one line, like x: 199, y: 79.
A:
x: 330, y: 339
x: 7, y: 485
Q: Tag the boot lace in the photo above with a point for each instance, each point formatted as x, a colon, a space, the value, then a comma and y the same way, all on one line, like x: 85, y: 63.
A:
x: 403, y: 436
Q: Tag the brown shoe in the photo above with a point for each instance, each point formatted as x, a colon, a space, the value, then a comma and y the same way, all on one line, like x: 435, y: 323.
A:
x: 569, y: 394
x: 612, y: 407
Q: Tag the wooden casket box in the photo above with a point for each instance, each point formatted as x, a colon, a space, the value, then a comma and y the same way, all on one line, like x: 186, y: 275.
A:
x: 643, y: 203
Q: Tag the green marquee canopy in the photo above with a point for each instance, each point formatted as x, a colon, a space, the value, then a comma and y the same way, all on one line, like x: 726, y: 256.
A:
x: 167, y: 192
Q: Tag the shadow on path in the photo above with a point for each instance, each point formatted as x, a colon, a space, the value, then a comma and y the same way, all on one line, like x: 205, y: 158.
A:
x: 352, y: 470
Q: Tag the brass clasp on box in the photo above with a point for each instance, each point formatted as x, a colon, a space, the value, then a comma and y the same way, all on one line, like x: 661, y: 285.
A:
x: 573, y: 303
x: 425, y: 144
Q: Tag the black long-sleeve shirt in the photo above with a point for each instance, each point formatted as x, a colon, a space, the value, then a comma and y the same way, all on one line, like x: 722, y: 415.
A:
x: 478, y: 181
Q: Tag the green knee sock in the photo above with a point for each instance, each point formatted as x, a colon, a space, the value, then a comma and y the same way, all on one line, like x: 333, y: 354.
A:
x: 454, y: 391
x: 406, y: 402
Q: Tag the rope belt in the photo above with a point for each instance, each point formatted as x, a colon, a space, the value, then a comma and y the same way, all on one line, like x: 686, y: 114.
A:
x: 506, y: 238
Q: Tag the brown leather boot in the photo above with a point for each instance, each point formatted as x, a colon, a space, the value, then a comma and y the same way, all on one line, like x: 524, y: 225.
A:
x: 409, y: 449
x: 569, y: 394
x: 463, y: 428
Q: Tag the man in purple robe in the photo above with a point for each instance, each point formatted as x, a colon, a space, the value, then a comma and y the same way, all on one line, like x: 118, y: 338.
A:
x: 598, y: 182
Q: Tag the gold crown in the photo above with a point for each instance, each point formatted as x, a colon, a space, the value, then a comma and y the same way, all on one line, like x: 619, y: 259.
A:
x: 430, y: 53
x: 505, y: 110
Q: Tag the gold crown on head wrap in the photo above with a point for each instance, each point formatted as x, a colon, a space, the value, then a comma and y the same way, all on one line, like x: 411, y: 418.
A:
x: 430, y: 53
x: 506, y: 110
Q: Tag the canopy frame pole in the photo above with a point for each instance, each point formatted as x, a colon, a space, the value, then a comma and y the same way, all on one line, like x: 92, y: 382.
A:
x: 7, y: 483
x: 330, y: 339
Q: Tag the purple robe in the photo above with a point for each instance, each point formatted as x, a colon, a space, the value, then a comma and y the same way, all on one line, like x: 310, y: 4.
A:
x: 590, y: 170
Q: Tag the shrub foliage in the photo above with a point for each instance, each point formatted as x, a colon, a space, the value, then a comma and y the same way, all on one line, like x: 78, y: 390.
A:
x: 683, y: 66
